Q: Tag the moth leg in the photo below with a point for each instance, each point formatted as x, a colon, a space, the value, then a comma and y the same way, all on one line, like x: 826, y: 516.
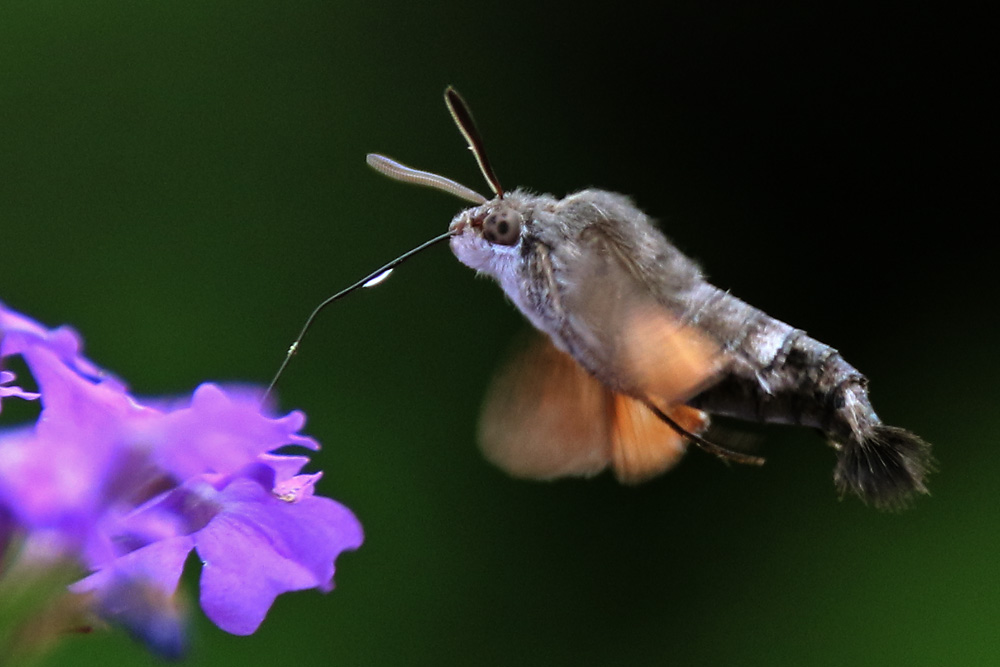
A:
x: 720, y: 451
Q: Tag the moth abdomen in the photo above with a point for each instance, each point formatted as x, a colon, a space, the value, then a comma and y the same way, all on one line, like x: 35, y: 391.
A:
x: 779, y: 374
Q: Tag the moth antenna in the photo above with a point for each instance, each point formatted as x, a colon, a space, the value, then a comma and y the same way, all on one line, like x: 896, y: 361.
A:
x: 400, y: 172
x: 707, y: 445
x: 372, y: 279
x: 463, y: 118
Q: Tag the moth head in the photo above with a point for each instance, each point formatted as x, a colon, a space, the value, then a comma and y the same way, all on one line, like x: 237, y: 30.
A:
x: 491, y: 229
x: 487, y: 236
x: 498, y: 222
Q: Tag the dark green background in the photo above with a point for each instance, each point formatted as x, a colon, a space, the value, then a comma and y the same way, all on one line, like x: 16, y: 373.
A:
x: 184, y: 181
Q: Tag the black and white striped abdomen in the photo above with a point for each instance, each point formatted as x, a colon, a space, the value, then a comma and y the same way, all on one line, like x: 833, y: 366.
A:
x: 778, y: 374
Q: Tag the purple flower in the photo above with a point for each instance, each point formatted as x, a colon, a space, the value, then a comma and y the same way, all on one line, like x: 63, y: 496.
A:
x: 257, y: 537
x: 258, y: 529
x: 130, y: 488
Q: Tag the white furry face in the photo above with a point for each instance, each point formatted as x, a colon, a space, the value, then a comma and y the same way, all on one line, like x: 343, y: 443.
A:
x: 488, y: 238
x: 502, y: 258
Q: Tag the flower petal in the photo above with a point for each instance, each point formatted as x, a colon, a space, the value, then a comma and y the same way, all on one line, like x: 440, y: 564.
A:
x: 260, y: 547
x: 221, y: 433
x: 7, y: 389
x: 19, y: 333
x: 138, y: 590
x: 57, y: 473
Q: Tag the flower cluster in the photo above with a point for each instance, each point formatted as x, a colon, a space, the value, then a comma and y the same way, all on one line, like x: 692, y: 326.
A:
x: 128, y: 488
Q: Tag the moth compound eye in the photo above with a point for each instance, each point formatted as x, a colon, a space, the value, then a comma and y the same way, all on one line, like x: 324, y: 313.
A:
x: 502, y: 227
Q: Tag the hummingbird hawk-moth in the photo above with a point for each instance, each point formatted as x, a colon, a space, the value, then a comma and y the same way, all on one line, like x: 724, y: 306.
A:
x: 638, y: 349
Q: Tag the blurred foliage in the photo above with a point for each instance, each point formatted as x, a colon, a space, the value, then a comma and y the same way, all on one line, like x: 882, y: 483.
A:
x: 184, y: 181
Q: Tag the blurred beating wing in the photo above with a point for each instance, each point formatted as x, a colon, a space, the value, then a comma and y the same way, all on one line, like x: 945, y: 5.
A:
x: 545, y: 417
x: 627, y: 335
